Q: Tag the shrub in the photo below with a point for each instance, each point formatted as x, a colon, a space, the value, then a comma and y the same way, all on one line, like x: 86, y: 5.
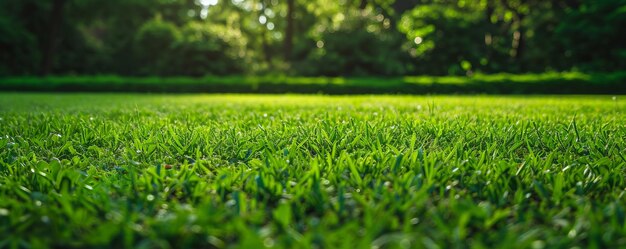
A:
x: 362, y: 44
x: 154, y: 43
x: 209, y: 49
x: 18, y: 54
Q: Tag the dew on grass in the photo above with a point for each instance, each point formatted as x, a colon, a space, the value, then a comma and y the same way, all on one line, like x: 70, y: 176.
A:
x: 195, y: 229
x: 420, y: 182
x: 538, y: 244
x: 113, y: 215
x: 572, y: 233
x: 150, y: 197
x: 405, y: 243
x: 268, y: 242
x: 215, y: 241
x: 230, y: 203
x: 162, y: 214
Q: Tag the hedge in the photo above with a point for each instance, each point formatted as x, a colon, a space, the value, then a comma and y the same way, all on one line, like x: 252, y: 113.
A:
x: 547, y: 83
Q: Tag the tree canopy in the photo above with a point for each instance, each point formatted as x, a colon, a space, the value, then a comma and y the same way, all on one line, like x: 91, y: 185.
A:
x: 310, y: 37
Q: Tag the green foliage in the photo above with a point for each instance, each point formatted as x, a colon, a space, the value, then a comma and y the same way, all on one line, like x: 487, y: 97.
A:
x: 191, y: 171
x: 592, y: 34
x: 445, y: 35
x: 155, y: 40
x: 330, y: 38
x: 362, y: 44
x: 209, y: 49
x: 18, y: 46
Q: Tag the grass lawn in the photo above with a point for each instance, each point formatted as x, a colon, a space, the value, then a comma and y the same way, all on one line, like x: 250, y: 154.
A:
x: 305, y: 171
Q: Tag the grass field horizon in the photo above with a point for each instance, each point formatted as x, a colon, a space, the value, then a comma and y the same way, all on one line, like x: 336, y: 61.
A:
x: 609, y: 83
x: 311, y: 171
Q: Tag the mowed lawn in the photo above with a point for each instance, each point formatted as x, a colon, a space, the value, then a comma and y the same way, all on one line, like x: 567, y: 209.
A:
x: 306, y: 171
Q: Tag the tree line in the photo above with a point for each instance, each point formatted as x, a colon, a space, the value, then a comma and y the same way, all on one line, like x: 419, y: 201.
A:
x: 310, y: 37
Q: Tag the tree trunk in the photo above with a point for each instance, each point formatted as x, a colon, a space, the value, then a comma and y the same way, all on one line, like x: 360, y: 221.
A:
x: 491, y: 30
x: 288, y: 46
x: 400, y: 7
x: 519, y: 40
x: 574, y: 4
x: 521, y: 45
x: 52, y: 37
x: 363, y: 4
x: 266, y: 48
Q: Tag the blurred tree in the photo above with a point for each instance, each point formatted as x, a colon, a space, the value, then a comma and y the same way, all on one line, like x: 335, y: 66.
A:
x: 154, y: 46
x: 359, y: 43
x: 208, y: 49
x: 52, y: 35
x: 592, y: 32
x: 310, y: 37
x: 19, y: 43
x: 289, y: 29
x: 447, y: 39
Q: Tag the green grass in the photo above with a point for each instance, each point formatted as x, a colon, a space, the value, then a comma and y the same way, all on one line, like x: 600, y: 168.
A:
x: 296, y: 171
x: 546, y: 83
